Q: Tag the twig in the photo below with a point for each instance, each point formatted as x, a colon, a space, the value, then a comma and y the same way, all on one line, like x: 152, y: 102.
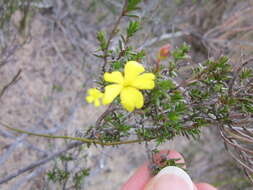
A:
x: 112, y: 33
x: 13, y: 81
x: 6, y: 54
x: 40, y: 162
x: 104, y: 114
x: 162, y: 38
x: 22, y: 181
x: 83, y: 140
x: 56, y: 154
x: 191, y: 80
x: 236, y: 74
x: 11, y: 149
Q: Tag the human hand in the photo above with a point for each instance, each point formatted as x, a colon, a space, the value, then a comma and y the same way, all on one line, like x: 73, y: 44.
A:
x: 169, y: 178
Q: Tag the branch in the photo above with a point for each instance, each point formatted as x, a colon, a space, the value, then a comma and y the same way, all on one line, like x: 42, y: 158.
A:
x: 13, y: 81
x: 21, y: 182
x: 80, y: 142
x: 40, y: 162
x: 112, y: 33
x: 163, y: 37
x: 80, y: 139
x: 236, y: 74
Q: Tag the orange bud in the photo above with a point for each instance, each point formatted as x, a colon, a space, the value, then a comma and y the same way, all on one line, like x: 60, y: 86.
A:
x: 164, y: 52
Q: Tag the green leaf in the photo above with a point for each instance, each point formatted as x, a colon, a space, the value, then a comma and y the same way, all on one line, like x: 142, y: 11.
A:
x: 133, y: 27
x: 180, y: 107
x: 181, y: 53
x: 131, y: 15
x: 124, y: 129
x: 132, y: 5
x: 102, y: 40
x: 176, y: 97
x: 166, y: 84
x: 223, y: 60
x: 79, y: 177
x: 117, y: 65
x: 58, y: 175
x: 99, y: 56
x: 173, y: 116
x: 246, y: 73
x: 66, y: 157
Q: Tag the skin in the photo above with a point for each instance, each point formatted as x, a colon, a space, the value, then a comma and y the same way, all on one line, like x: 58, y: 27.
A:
x: 143, y: 180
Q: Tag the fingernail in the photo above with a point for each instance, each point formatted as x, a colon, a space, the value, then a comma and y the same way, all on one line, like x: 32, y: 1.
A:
x: 172, y: 178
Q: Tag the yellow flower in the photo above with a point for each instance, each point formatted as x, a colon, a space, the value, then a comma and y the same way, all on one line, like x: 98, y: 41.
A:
x: 93, y: 96
x: 128, y: 86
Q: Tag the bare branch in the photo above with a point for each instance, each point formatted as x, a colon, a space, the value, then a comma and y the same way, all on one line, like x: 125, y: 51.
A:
x: 40, y: 162
x: 13, y: 81
x: 236, y: 74
x: 22, y: 181
x: 112, y: 33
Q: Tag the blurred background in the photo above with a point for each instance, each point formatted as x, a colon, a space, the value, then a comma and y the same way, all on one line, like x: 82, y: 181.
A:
x: 46, y: 65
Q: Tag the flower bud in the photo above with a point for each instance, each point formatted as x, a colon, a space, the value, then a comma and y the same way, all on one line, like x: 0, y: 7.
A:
x: 164, y: 52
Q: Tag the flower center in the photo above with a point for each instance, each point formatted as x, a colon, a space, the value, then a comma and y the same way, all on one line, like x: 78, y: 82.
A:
x: 126, y: 83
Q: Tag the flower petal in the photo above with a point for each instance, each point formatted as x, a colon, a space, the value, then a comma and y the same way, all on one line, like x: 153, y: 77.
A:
x: 139, y: 100
x: 94, y: 96
x: 90, y: 91
x: 144, y: 81
x: 95, y: 93
x: 97, y: 102
x: 89, y: 99
x: 115, y: 77
x: 132, y: 70
x: 111, y: 92
x: 131, y: 98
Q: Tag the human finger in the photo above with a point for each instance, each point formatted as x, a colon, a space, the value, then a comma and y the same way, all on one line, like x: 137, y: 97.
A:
x: 142, y: 176
x: 170, y: 178
x: 205, y: 186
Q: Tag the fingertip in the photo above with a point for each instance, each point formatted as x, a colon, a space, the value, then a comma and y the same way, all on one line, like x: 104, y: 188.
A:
x: 142, y: 175
x: 139, y: 179
x: 171, y: 177
x: 205, y: 186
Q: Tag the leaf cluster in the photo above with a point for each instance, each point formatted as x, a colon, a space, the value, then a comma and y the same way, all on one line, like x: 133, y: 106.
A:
x: 62, y: 175
x: 132, y: 5
x: 133, y: 27
x: 173, y: 108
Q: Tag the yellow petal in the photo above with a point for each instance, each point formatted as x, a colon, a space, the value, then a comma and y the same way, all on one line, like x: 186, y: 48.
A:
x: 111, y: 92
x: 131, y: 98
x: 144, y: 81
x: 139, y: 100
x: 115, y: 76
x: 95, y: 93
x: 90, y: 91
x: 97, y: 103
x: 132, y: 70
x: 89, y: 99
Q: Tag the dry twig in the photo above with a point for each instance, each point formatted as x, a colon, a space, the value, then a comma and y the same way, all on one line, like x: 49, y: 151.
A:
x: 15, y: 79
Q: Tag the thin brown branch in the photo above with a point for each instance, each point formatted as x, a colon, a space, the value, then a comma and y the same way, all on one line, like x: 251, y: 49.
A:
x: 112, y: 34
x: 236, y: 74
x: 40, y: 162
x: 83, y: 140
x: 227, y: 140
x: 12, y: 82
